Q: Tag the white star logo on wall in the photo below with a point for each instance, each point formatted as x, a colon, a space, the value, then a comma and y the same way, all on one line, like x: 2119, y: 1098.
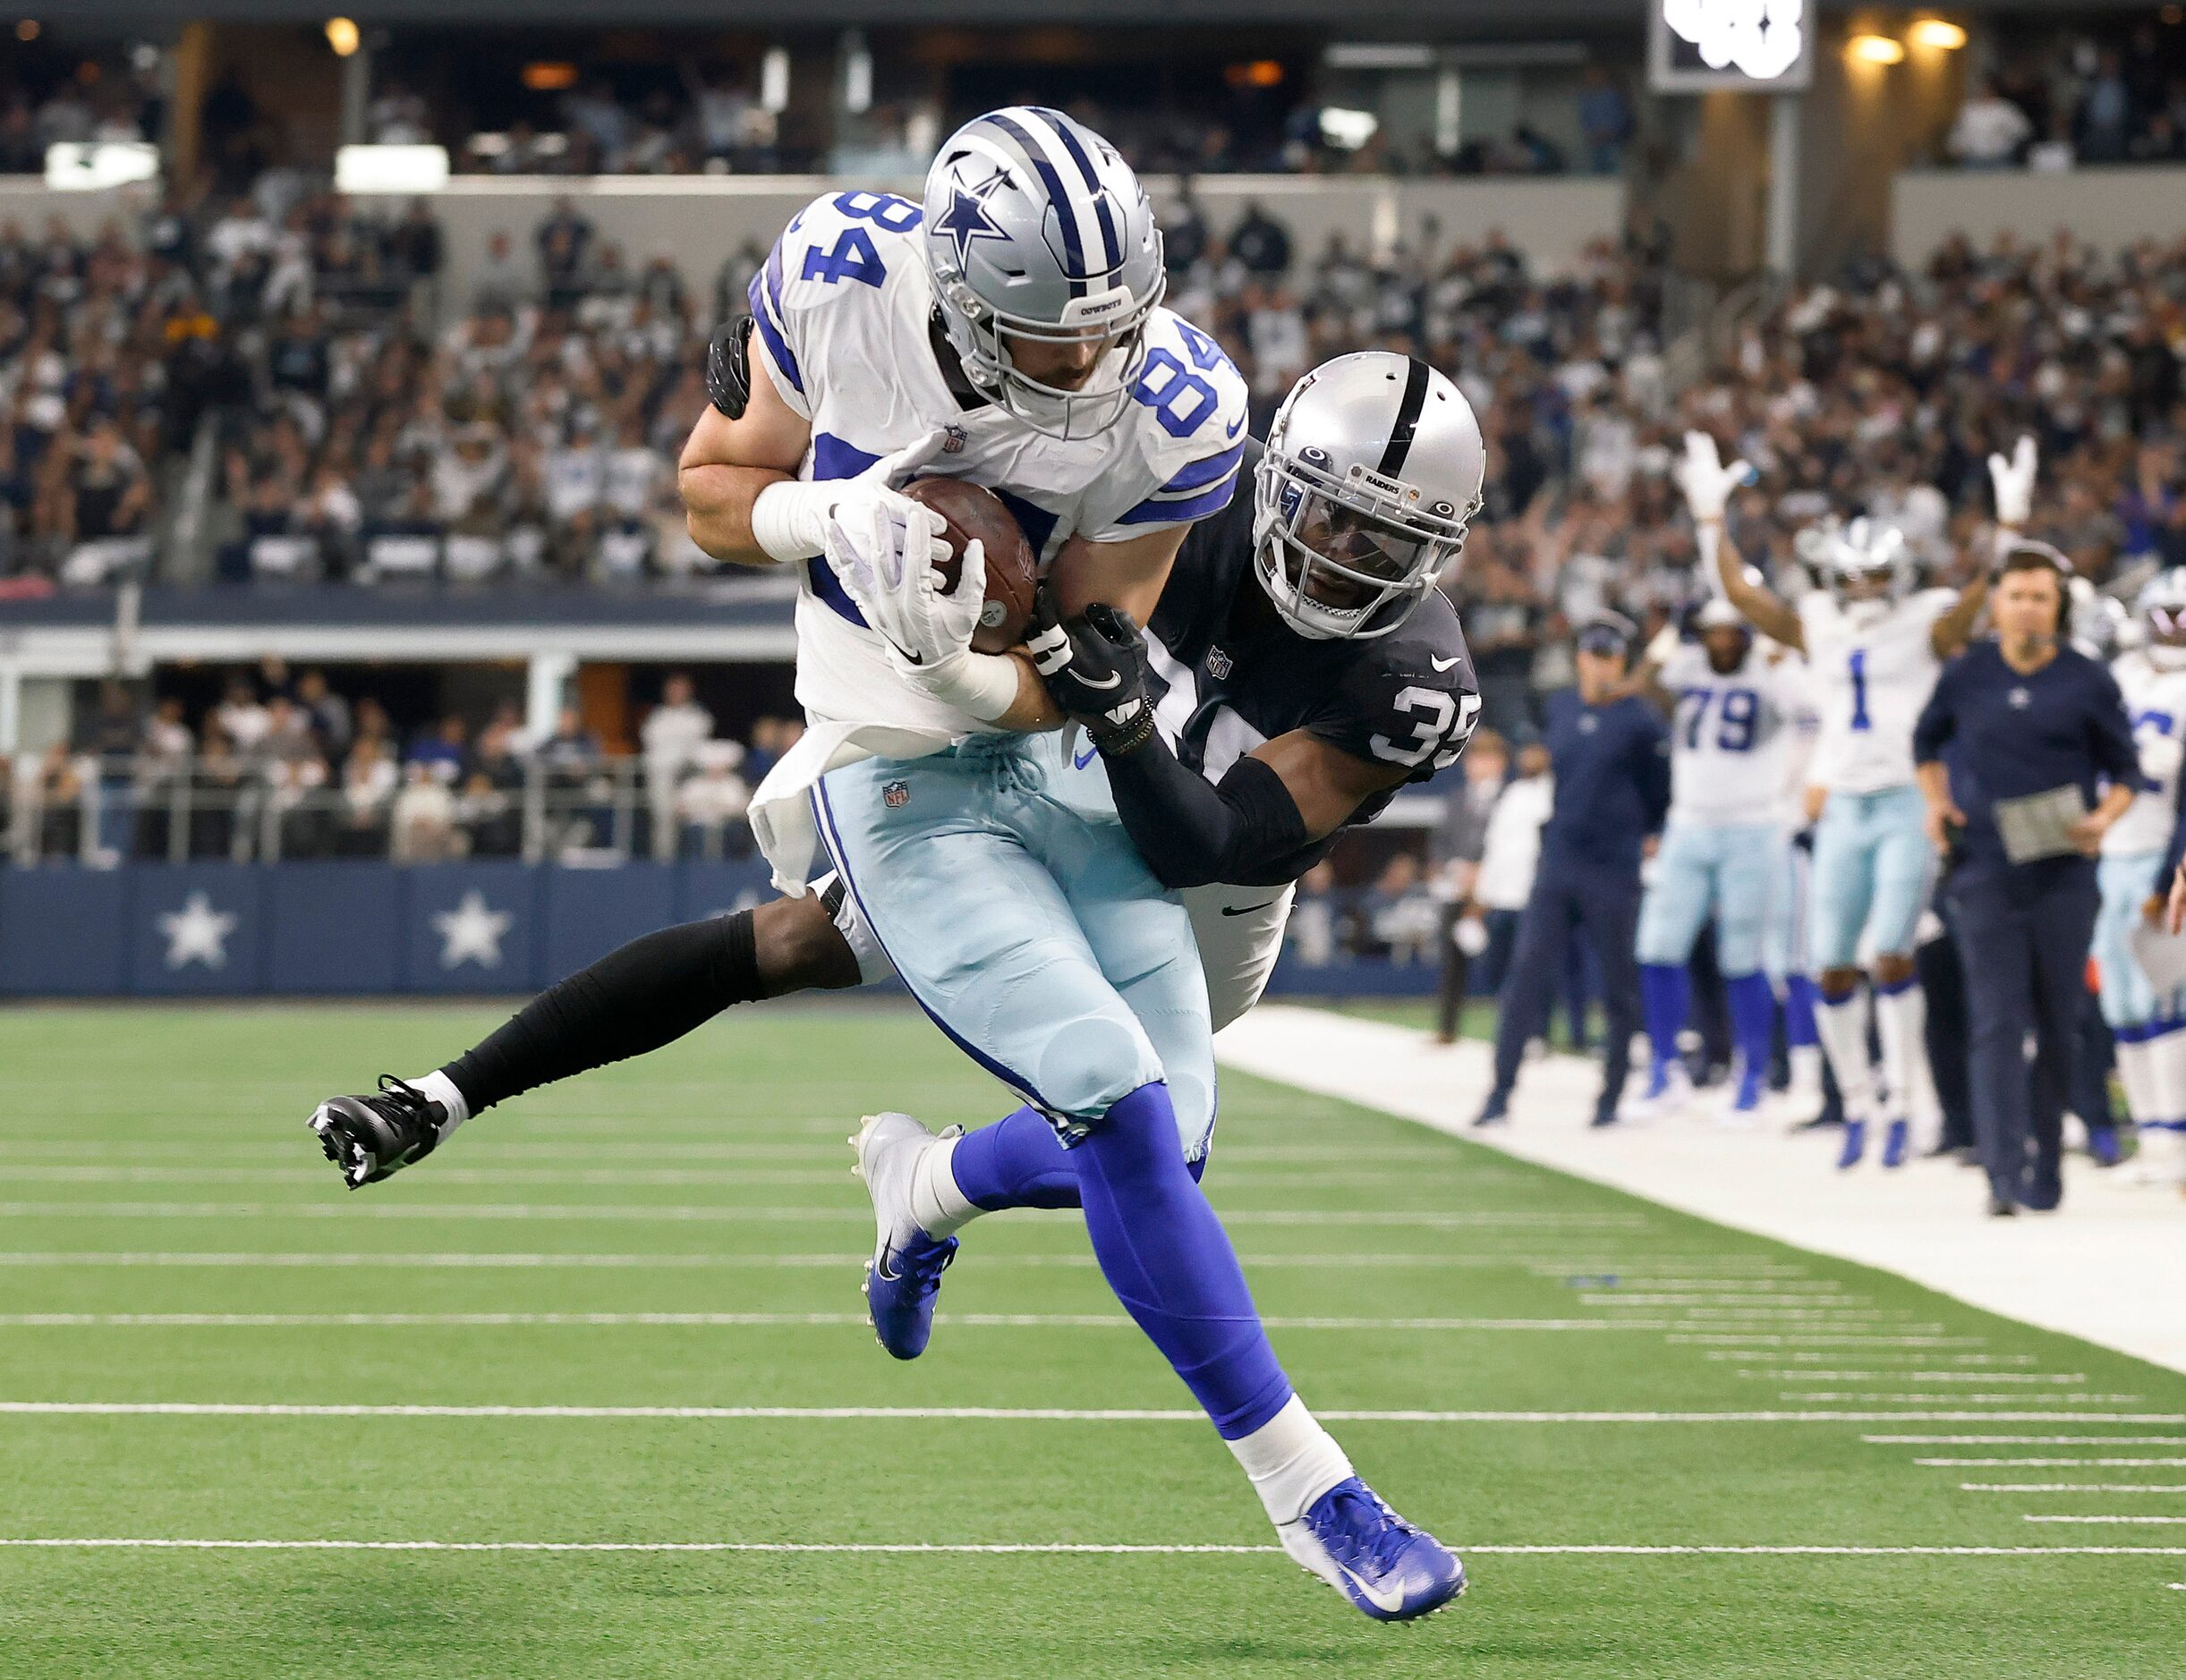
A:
x: 471, y: 932
x: 197, y: 933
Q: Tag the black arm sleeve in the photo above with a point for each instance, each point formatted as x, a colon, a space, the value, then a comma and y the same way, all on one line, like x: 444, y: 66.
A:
x: 1191, y: 832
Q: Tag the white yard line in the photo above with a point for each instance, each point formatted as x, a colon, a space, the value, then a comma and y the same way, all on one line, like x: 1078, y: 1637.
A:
x: 1924, y: 1222
x: 1834, y: 1397
x: 676, y: 1213
x: 1798, y: 1374
x: 2025, y: 1440
x: 2146, y: 1521
x: 255, y: 1409
x: 1718, y: 1339
x: 1901, y: 1359
x: 2071, y: 1487
x: 712, y: 1320
x: 1058, y: 1549
x: 2053, y: 1465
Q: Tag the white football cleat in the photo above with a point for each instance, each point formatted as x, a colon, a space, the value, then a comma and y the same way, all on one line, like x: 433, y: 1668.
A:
x: 1668, y: 1092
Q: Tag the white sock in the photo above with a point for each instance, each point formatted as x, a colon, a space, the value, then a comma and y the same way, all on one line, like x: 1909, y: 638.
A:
x: 940, y: 1209
x: 2165, y: 1054
x: 1805, y: 1060
x: 1842, y: 1023
x: 1901, y: 1015
x: 440, y: 1088
x: 1291, y: 1460
x: 2137, y: 1076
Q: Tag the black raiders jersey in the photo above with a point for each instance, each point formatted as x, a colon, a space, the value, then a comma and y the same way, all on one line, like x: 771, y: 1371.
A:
x: 1227, y: 674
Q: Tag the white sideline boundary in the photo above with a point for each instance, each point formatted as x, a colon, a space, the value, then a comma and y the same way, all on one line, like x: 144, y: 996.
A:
x: 1073, y: 1548
x: 1007, y: 1415
x: 730, y: 1320
x: 2059, y: 1272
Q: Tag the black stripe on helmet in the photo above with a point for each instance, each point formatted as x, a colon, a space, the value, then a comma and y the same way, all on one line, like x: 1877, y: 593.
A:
x: 1409, y: 405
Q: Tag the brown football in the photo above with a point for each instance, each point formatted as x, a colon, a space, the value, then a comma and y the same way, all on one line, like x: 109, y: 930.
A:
x: 1013, y: 570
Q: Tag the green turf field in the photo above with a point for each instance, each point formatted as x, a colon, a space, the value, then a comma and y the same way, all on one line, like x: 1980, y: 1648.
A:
x: 153, y: 1163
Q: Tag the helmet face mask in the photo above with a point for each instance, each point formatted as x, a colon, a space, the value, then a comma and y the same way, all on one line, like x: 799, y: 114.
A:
x: 1344, y: 549
x: 1869, y: 567
x: 1038, y: 234
x: 2162, y: 609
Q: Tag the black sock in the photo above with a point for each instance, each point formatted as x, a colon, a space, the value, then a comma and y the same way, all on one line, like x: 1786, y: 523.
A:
x: 637, y: 998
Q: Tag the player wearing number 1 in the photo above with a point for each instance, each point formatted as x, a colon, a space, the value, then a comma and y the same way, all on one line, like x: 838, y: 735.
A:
x: 1874, y: 647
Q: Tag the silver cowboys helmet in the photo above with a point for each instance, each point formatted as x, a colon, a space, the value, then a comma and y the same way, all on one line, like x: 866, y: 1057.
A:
x: 1037, y: 232
x: 1863, y: 553
x: 2162, y: 611
x: 1373, y: 468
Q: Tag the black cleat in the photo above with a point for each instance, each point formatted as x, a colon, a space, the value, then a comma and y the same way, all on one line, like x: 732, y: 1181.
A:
x: 371, y: 1138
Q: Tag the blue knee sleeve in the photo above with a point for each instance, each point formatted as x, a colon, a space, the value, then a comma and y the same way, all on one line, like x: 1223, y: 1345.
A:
x: 1169, y: 1262
x: 1019, y: 1162
x: 1665, y: 992
x: 1752, y: 1008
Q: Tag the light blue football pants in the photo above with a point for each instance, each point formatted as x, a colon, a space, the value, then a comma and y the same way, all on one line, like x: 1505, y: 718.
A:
x: 1027, y: 926
x: 1728, y: 868
x: 2125, y: 882
x: 1872, y: 866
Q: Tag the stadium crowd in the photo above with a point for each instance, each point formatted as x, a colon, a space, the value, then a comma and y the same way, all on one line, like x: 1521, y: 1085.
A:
x: 287, y: 765
x: 2061, y: 97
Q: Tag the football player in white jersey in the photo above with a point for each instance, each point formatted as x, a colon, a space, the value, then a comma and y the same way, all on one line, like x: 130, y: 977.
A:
x: 2150, y: 1034
x: 1731, y: 717
x: 1874, y: 647
x: 1009, y: 331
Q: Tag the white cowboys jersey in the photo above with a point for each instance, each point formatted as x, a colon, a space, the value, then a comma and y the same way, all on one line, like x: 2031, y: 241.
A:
x: 1871, y: 677
x: 1730, y: 737
x: 842, y: 309
x: 2156, y: 701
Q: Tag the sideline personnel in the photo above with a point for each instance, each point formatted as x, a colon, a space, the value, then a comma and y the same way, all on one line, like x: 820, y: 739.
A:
x: 1609, y: 754
x: 2023, y: 713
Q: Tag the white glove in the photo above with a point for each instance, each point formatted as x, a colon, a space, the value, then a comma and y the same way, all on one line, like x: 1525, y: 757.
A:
x: 903, y: 600
x: 1706, y: 482
x: 790, y: 520
x: 1664, y: 647
x: 2014, y: 483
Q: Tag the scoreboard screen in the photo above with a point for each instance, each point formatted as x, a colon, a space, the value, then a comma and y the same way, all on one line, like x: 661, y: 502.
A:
x: 1765, y: 45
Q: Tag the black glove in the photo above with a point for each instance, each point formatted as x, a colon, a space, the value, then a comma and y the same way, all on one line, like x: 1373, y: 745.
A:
x: 1094, y: 667
x: 728, y: 368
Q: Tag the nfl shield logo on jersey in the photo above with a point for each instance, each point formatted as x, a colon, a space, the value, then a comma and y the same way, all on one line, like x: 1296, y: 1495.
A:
x: 896, y: 795
x: 1218, y: 664
x: 952, y: 440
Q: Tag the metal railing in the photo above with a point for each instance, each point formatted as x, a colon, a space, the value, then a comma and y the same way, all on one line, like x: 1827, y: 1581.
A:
x: 98, y: 812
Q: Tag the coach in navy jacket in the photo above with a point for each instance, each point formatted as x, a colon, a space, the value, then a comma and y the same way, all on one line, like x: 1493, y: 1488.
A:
x: 2023, y: 713
x: 1611, y: 759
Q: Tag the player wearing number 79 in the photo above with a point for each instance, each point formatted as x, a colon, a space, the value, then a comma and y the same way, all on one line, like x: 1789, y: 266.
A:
x: 1875, y: 647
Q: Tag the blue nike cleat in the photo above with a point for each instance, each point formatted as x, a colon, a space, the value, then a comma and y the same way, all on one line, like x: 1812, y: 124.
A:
x: 1894, y: 1141
x: 905, y: 1274
x: 1855, y: 1145
x: 1390, y: 1570
x: 2102, y: 1146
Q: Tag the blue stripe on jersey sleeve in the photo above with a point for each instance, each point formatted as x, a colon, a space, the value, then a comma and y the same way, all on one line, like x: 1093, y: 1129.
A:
x: 1155, y: 511
x: 1203, y: 472
x: 777, y: 346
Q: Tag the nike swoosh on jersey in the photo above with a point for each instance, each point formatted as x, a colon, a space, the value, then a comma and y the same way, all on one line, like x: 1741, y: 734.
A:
x: 1079, y: 761
x: 1443, y: 664
x: 1239, y: 427
x: 1243, y: 910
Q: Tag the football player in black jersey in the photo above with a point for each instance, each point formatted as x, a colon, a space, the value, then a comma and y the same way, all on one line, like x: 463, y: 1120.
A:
x: 1238, y: 734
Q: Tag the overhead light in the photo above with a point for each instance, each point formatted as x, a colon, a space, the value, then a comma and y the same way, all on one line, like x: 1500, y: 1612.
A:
x: 395, y: 169
x: 1876, y: 49
x: 1258, y: 72
x: 27, y: 30
x: 857, y: 76
x: 1347, y: 130
x: 342, y: 35
x: 1943, y: 35
x: 95, y: 166
x: 774, y: 80
x: 1379, y: 55
x: 547, y: 76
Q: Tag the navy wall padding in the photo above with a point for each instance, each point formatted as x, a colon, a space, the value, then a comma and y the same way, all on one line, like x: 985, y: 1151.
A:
x: 336, y: 928
x: 61, y: 931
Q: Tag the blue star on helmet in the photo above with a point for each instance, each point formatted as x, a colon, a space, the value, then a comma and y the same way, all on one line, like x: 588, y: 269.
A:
x: 967, y: 219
